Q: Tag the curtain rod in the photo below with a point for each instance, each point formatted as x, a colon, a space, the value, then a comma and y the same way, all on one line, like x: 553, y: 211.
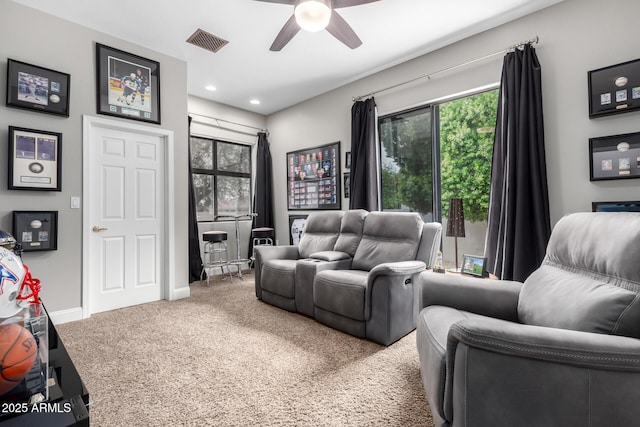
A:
x: 228, y: 121
x: 534, y: 40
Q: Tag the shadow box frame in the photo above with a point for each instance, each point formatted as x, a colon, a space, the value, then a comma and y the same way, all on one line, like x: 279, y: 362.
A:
x: 614, y: 89
x: 112, y: 67
x: 35, y: 88
x: 617, y: 206
x: 36, y: 230
x: 309, y: 171
x: 30, y: 170
x: 614, y: 157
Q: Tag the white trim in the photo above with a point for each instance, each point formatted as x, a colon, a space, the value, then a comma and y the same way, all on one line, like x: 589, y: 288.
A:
x: 180, y: 293
x: 68, y: 315
x: 90, y: 122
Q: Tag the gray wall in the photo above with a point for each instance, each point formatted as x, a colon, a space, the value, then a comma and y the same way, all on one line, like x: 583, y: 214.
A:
x: 39, y: 39
x: 575, y: 36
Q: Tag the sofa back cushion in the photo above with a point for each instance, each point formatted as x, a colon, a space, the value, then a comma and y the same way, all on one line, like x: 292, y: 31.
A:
x: 590, y: 277
x: 351, y: 231
x: 429, y: 243
x: 320, y: 232
x: 388, y: 237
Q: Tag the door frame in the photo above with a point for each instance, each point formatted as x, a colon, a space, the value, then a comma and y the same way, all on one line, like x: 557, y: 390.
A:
x: 168, y: 285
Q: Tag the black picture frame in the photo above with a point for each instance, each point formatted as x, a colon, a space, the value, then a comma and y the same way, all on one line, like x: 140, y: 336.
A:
x: 347, y: 184
x: 614, y: 157
x: 347, y: 160
x: 35, y: 88
x: 296, y: 228
x: 614, y: 89
x: 313, y: 178
x: 128, y: 85
x: 615, y: 206
x: 34, y: 160
x: 473, y: 265
x: 36, y: 230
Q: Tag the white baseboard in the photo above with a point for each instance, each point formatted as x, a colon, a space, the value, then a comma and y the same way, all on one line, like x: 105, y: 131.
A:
x: 64, y: 316
x: 180, y: 293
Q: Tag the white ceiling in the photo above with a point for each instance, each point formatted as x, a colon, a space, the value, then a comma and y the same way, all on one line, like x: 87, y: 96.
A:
x: 392, y: 31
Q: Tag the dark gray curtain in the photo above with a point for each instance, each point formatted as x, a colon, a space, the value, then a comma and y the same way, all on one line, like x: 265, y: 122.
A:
x: 519, y: 224
x: 263, y: 196
x: 195, y: 260
x: 364, y: 181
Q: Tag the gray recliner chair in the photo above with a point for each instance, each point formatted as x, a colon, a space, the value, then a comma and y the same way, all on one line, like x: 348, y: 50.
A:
x: 376, y: 298
x: 562, y: 349
x: 284, y: 274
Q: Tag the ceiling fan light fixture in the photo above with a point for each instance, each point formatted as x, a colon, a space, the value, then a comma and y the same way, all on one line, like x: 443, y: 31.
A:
x: 313, y: 15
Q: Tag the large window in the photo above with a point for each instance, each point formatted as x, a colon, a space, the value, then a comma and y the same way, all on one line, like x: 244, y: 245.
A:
x: 221, y: 177
x: 437, y: 152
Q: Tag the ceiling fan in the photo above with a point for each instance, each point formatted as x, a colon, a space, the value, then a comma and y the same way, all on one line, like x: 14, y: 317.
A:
x: 316, y: 15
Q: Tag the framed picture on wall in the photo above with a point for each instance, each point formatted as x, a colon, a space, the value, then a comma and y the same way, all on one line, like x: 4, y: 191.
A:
x: 347, y: 184
x: 36, y: 230
x: 128, y: 85
x: 313, y: 178
x: 296, y: 228
x: 34, y: 161
x: 35, y: 88
x: 347, y: 160
x: 614, y: 89
x: 614, y: 157
x: 615, y: 206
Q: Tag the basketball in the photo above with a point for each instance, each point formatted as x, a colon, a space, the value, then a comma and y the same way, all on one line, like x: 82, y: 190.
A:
x: 17, y: 355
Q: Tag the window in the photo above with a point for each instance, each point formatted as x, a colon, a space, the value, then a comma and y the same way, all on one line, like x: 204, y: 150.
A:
x: 437, y: 152
x: 221, y: 178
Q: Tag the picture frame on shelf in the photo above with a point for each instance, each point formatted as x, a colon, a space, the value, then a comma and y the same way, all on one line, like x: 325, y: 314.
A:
x: 313, y: 178
x: 614, y: 89
x: 35, y: 88
x: 615, y: 206
x: 128, y: 85
x: 614, y: 157
x: 36, y: 230
x: 34, y: 160
x: 473, y: 265
x: 296, y: 228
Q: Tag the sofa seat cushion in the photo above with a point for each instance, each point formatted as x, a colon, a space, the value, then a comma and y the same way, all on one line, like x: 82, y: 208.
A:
x: 341, y: 292
x: 433, y: 326
x: 278, y: 276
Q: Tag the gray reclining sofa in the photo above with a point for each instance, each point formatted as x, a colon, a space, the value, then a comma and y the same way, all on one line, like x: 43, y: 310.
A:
x: 352, y: 270
x: 562, y: 349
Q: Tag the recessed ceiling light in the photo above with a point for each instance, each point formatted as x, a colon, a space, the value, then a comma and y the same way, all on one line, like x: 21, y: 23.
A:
x: 210, y: 87
x: 255, y: 101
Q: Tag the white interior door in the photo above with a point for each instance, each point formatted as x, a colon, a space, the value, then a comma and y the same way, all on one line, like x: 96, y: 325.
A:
x: 126, y: 217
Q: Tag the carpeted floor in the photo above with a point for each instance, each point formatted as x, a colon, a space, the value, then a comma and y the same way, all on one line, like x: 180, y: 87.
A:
x: 223, y: 358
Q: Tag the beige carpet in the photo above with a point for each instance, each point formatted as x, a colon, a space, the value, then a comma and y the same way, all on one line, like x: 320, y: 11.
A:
x: 223, y: 358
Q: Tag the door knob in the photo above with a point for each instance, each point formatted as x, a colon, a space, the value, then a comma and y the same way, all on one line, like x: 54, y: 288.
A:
x: 97, y: 228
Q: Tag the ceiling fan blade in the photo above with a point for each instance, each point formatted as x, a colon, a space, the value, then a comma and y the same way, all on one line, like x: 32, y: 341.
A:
x: 285, y: 35
x: 278, y: 1
x: 337, y: 4
x: 339, y: 29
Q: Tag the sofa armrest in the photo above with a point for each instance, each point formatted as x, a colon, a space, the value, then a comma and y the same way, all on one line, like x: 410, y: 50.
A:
x: 540, y: 374
x: 264, y: 253
x: 401, y: 268
x: 576, y: 348
x: 492, y: 298
x: 330, y: 255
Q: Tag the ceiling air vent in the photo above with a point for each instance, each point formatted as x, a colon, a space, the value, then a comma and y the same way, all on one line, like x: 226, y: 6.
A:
x: 206, y: 40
